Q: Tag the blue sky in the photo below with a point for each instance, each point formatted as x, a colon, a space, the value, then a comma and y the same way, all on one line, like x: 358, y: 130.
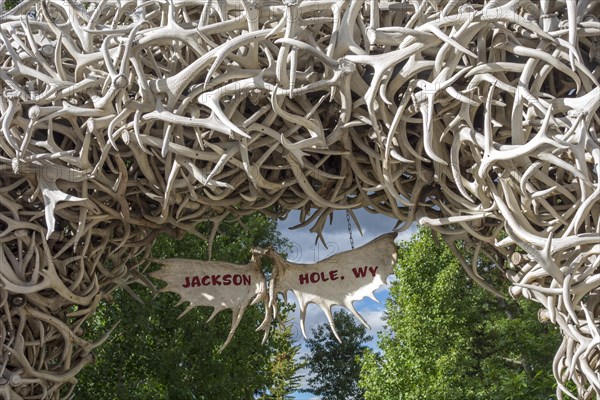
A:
x: 304, y: 250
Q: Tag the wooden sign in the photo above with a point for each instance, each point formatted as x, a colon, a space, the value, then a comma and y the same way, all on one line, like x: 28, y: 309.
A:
x: 338, y: 280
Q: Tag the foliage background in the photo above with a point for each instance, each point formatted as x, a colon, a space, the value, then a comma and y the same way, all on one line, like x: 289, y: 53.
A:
x: 335, y: 366
x: 153, y: 355
x: 450, y: 339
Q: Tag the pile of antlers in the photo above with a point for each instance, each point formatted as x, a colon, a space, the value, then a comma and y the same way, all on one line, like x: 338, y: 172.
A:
x: 121, y: 120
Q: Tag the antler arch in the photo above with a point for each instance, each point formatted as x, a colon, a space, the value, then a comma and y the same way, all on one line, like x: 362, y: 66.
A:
x: 120, y: 121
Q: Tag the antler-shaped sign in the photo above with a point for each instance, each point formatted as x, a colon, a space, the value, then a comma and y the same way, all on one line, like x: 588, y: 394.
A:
x: 216, y: 284
x: 338, y: 280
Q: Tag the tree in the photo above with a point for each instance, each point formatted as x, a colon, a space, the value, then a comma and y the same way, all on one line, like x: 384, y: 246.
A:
x: 153, y: 355
x: 334, y: 367
x: 283, y: 366
x: 450, y: 339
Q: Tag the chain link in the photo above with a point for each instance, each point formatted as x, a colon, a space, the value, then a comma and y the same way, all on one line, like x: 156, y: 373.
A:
x: 350, y: 229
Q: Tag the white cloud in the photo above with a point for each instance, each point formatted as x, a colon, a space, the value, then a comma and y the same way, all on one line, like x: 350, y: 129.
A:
x: 375, y: 320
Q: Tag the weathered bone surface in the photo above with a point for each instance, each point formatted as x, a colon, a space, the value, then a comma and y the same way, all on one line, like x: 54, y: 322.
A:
x: 339, y: 280
x: 235, y: 287
x: 121, y: 120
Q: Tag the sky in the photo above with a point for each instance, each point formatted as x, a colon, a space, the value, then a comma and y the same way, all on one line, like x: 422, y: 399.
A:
x: 304, y: 250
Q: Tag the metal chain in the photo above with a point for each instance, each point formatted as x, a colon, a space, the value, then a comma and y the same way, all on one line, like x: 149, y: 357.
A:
x: 350, y: 229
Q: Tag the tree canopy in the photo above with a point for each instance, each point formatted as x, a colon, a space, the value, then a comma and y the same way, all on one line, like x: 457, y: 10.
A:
x: 334, y: 366
x: 153, y: 355
x: 450, y: 339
